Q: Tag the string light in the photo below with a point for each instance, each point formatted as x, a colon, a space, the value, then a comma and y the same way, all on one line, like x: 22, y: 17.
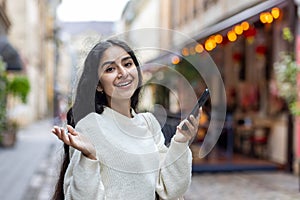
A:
x: 199, y: 48
x: 192, y: 51
x: 245, y: 25
x: 185, y: 51
x: 269, y: 18
x: 262, y: 17
x: 275, y: 12
x: 210, y: 44
x: 231, y: 36
x: 266, y: 17
x: 175, y: 60
x: 238, y: 29
x: 218, y: 38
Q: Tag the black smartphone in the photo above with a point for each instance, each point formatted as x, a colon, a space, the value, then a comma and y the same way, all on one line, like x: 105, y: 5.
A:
x: 203, y: 98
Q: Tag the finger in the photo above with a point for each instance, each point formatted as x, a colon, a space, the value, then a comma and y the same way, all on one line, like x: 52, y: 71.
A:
x: 63, y: 131
x: 184, y: 133
x: 194, y: 120
x: 192, y: 127
x: 71, y: 140
x: 53, y: 131
x: 189, y: 124
x: 199, y: 113
x: 71, y: 130
x: 183, y: 122
x: 57, y: 132
x: 64, y: 136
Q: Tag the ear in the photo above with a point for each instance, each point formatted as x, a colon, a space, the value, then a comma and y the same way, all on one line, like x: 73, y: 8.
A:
x: 99, y: 87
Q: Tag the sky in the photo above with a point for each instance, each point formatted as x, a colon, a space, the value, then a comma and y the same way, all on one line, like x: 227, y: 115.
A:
x: 90, y: 10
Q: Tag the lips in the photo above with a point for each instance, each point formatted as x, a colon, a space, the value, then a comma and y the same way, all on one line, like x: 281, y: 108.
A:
x: 124, y: 83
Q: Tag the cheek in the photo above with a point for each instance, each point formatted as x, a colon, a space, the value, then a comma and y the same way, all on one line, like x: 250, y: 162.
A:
x: 135, y: 73
x: 106, y: 81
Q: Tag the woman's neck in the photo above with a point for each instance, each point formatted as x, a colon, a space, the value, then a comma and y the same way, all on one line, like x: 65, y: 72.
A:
x: 122, y: 107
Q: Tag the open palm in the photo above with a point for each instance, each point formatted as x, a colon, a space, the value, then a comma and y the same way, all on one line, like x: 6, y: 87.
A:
x: 75, y: 140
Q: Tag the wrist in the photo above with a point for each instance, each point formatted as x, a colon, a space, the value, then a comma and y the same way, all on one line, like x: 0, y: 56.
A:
x: 90, y: 156
x: 180, y: 138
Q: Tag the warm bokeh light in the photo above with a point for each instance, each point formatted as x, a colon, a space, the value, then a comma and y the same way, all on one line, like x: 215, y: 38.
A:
x: 192, y: 51
x: 185, y: 51
x: 210, y: 44
x: 269, y: 18
x: 218, y: 38
x: 275, y: 12
x: 175, y: 60
x: 199, y: 48
x: 262, y: 17
x: 238, y: 29
x: 266, y: 17
x: 231, y: 36
x: 245, y: 26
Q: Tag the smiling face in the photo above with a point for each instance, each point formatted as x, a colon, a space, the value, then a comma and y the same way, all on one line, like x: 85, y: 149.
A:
x: 118, y: 74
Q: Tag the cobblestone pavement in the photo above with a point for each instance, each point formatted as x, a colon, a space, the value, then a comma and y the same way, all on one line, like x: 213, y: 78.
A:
x: 42, y: 183
x: 20, y: 162
x: 243, y: 185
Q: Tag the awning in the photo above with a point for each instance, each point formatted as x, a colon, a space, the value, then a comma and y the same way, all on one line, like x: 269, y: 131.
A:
x: 239, y: 17
x: 250, y: 14
x: 10, y: 55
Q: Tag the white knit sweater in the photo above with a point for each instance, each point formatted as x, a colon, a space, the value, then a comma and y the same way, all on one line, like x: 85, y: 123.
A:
x: 132, y: 160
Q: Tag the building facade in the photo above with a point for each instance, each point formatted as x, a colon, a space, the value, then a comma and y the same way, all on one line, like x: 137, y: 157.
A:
x: 245, y: 40
x: 32, y: 32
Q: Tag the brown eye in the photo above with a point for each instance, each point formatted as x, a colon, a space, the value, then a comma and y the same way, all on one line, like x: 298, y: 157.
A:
x: 128, y: 64
x: 109, y: 69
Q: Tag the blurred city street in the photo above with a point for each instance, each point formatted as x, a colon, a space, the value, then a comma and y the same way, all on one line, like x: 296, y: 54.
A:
x: 31, y: 167
x: 246, y: 53
x: 25, y: 170
x: 243, y: 185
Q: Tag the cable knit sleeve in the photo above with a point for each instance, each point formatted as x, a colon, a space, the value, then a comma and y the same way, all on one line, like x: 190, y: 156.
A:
x: 175, y: 167
x: 82, y: 178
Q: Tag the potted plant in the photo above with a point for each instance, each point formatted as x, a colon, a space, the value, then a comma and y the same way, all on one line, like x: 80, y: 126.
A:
x: 286, y: 72
x: 16, y: 85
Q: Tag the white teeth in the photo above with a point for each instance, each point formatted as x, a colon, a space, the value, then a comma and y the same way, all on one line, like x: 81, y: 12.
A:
x: 124, y: 84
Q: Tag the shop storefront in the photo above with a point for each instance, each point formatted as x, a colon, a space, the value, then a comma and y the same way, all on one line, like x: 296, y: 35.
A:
x: 245, y: 48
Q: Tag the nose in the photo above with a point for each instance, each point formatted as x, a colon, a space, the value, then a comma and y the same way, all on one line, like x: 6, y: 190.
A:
x: 122, y: 72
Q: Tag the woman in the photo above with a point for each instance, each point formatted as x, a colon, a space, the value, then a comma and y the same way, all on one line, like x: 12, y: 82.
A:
x: 116, y: 153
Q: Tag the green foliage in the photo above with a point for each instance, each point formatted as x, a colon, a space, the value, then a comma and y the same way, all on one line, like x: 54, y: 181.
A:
x: 287, y: 34
x: 286, y: 71
x: 294, y: 108
x: 3, y: 94
x: 19, y: 86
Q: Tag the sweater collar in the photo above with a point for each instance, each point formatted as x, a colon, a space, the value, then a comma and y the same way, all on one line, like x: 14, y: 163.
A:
x: 112, y: 112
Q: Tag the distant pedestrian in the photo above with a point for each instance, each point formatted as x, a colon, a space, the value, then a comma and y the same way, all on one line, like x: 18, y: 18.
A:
x: 115, y: 152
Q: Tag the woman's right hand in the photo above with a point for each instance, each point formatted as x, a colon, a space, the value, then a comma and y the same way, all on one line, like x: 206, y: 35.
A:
x: 76, y: 140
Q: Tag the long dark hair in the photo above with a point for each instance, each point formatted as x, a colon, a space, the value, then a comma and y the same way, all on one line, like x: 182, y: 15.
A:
x: 88, y: 99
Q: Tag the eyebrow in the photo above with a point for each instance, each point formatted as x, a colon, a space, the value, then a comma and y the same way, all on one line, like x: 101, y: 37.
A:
x: 111, y: 62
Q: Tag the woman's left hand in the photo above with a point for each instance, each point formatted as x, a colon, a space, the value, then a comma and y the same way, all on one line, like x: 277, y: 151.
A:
x: 186, y: 135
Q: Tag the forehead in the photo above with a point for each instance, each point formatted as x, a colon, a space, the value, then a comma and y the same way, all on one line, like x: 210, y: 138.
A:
x: 113, y: 53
